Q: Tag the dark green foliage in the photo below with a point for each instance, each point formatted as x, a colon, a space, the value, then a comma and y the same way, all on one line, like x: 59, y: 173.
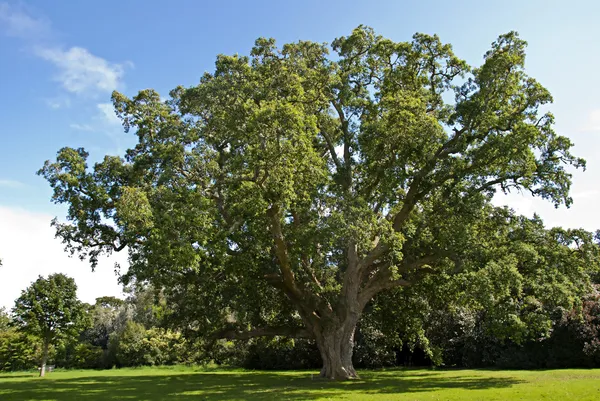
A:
x: 80, y: 355
x: 466, y: 340
x: 372, y: 348
x: 279, y: 354
x: 18, y: 351
x: 575, y: 340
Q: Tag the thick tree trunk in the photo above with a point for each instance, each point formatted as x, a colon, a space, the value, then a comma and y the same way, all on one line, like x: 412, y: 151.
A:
x: 44, y: 359
x: 336, y: 346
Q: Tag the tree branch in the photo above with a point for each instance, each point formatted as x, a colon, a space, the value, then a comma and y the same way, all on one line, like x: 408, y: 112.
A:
x: 331, y: 148
x: 346, y: 136
x: 382, y: 279
x: 306, y: 301
x: 288, y: 277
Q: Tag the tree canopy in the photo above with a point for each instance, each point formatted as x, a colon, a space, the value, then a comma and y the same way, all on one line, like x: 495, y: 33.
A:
x: 289, y: 188
x: 50, y: 311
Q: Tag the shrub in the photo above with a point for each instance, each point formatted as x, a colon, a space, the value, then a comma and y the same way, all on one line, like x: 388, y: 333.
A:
x: 18, y: 351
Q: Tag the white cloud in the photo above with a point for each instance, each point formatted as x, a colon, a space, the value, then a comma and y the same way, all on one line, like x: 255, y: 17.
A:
x: 28, y: 249
x: 82, y: 127
x: 81, y: 72
x: 105, y: 120
x: 593, y: 121
x: 58, y: 102
x: 14, y: 21
x: 580, y: 215
x: 11, y: 183
x: 108, y: 112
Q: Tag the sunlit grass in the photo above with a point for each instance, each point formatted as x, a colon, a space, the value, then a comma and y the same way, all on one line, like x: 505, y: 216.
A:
x: 187, y: 383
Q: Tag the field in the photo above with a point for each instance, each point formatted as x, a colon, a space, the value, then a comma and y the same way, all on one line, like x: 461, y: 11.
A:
x: 183, y: 383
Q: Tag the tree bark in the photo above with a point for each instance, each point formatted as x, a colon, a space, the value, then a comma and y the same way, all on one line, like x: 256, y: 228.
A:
x: 44, y: 359
x: 336, y: 345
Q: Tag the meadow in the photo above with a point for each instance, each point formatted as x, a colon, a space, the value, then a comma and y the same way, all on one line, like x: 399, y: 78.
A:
x: 189, y: 383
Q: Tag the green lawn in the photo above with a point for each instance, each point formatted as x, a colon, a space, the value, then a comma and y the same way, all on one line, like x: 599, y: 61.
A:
x: 205, y: 384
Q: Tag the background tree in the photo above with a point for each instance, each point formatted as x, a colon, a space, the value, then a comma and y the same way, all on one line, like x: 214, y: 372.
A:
x: 50, y: 311
x: 520, y: 281
x: 4, y: 319
x: 108, y: 315
x: 288, y: 189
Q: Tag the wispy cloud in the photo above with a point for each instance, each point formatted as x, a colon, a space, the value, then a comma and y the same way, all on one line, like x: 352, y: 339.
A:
x: 82, y: 127
x: 58, y: 102
x: 15, y: 21
x: 108, y: 113
x: 79, y: 71
x: 105, y: 120
x: 11, y: 183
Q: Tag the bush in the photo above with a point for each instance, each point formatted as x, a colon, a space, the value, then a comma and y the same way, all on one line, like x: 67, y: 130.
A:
x: 18, y: 351
x: 372, y: 349
x: 277, y: 353
x: 88, y: 356
x: 136, y: 346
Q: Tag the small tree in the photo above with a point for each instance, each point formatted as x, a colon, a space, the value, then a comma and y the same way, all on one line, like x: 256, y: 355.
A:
x: 49, y: 309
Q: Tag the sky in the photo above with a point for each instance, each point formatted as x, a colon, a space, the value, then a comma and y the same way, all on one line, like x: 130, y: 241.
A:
x: 60, y: 61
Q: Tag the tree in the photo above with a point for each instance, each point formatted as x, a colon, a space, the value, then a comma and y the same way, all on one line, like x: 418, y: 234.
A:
x: 147, y: 304
x: 518, y: 280
x: 49, y: 310
x: 290, y: 188
x: 109, y: 302
x: 4, y: 320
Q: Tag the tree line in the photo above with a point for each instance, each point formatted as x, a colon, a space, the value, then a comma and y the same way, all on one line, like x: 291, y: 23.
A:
x: 49, y: 325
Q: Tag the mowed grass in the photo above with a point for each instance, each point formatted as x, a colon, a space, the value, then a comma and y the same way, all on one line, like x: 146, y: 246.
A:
x: 186, y: 383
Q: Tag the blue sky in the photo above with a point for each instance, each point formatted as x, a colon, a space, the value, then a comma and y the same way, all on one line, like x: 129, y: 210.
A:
x: 60, y: 60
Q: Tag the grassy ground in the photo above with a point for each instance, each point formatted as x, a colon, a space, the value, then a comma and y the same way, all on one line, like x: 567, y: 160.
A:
x: 205, y: 384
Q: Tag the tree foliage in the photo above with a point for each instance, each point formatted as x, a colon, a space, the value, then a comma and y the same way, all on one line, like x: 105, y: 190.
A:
x: 50, y: 311
x: 5, y: 320
x: 289, y: 188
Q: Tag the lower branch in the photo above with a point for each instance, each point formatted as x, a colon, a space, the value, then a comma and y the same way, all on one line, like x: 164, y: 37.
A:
x: 383, y: 278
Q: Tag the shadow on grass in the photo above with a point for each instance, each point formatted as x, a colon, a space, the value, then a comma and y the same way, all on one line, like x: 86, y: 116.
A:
x: 235, y: 386
x: 11, y: 376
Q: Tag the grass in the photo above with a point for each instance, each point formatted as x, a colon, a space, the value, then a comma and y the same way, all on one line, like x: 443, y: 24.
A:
x: 184, y: 383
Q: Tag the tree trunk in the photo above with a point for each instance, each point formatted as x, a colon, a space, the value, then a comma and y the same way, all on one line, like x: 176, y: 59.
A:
x: 44, y: 359
x: 336, y: 346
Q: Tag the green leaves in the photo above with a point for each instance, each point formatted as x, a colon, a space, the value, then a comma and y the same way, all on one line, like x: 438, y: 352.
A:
x: 49, y: 309
x: 291, y: 180
x: 133, y: 210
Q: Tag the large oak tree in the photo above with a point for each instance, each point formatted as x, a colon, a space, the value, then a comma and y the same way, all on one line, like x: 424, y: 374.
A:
x: 291, y: 187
